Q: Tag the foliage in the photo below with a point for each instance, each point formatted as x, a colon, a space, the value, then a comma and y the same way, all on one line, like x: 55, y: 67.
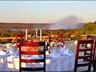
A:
x: 89, y: 28
x: 78, y: 37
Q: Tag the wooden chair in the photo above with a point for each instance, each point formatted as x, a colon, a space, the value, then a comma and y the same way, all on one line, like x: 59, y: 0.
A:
x: 80, y: 50
x: 60, y: 37
x: 93, y: 38
x: 51, y: 38
x: 19, y: 38
x: 32, y: 52
x: 94, y: 64
x: 93, y: 53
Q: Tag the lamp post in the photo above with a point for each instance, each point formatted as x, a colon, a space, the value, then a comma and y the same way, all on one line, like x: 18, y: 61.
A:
x: 26, y: 35
x: 40, y: 35
x: 36, y: 33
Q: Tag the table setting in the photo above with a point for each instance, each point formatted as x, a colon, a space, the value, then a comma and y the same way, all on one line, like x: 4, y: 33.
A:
x: 5, y: 51
x: 59, y: 49
x: 8, y: 51
x: 60, y: 58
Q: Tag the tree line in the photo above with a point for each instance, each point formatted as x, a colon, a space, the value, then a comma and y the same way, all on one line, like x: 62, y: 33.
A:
x: 88, y: 28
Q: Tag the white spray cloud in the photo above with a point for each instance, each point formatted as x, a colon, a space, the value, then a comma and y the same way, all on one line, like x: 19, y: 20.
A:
x: 69, y: 22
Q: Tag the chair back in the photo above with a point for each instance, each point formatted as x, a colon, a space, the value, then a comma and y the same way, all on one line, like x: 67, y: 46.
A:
x: 94, y: 64
x: 51, y: 38
x: 19, y: 38
x: 33, y: 48
x: 60, y: 37
x: 88, y: 47
x: 93, y: 38
x: 94, y: 54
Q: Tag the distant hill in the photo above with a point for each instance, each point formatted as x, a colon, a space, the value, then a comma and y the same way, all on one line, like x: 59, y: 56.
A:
x: 32, y: 25
x: 24, y: 25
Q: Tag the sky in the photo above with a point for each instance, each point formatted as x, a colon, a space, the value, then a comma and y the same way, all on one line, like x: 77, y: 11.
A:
x: 46, y: 11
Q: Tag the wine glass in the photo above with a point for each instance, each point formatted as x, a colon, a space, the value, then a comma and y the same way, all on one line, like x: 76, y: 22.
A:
x: 69, y: 46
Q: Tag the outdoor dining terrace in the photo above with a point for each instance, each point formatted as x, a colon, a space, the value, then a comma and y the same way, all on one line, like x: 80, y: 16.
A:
x: 54, y: 54
x: 48, y: 36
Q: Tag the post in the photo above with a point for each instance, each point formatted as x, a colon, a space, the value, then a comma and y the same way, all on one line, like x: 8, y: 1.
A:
x: 26, y: 35
x: 40, y: 35
x: 36, y: 33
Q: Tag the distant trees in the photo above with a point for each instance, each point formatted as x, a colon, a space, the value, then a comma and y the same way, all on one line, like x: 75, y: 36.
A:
x: 4, y: 33
x: 9, y: 33
x: 89, y: 28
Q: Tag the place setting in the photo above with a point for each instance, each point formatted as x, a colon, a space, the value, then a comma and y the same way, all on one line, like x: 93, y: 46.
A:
x: 59, y: 50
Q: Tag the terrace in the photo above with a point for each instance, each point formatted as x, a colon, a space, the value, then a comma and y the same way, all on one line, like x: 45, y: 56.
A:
x: 11, y: 62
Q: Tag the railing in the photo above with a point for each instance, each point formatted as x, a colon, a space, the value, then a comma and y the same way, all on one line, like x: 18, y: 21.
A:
x: 8, y: 38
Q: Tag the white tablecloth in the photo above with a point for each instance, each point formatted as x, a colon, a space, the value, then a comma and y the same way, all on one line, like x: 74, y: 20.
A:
x: 64, y: 63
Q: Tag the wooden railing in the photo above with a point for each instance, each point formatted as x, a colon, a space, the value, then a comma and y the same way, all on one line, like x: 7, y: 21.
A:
x: 13, y: 39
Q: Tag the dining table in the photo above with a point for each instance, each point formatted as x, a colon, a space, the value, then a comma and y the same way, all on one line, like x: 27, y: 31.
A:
x: 61, y: 62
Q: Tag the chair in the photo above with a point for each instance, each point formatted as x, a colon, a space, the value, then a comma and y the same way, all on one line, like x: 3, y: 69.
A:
x: 51, y: 38
x: 19, y: 38
x: 94, y: 46
x: 30, y: 37
x: 94, y: 55
x: 41, y: 51
x: 80, y: 56
x: 60, y: 37
x: 94, y: 64
x: 93, y: 38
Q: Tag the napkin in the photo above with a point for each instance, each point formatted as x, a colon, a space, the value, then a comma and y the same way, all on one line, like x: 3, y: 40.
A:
x: 16, y: 53
x: 64, y: 51
x: 10, y: 49
x: 70, y: 53
x: 2, y: 53
x: 53, y: 50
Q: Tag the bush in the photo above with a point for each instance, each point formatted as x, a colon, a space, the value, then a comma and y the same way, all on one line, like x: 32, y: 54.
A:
x: 72, y: 38
x: 78, y: 37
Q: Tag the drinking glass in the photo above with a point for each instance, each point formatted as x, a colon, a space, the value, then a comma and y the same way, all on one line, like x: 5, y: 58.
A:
x: 69, y: 46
